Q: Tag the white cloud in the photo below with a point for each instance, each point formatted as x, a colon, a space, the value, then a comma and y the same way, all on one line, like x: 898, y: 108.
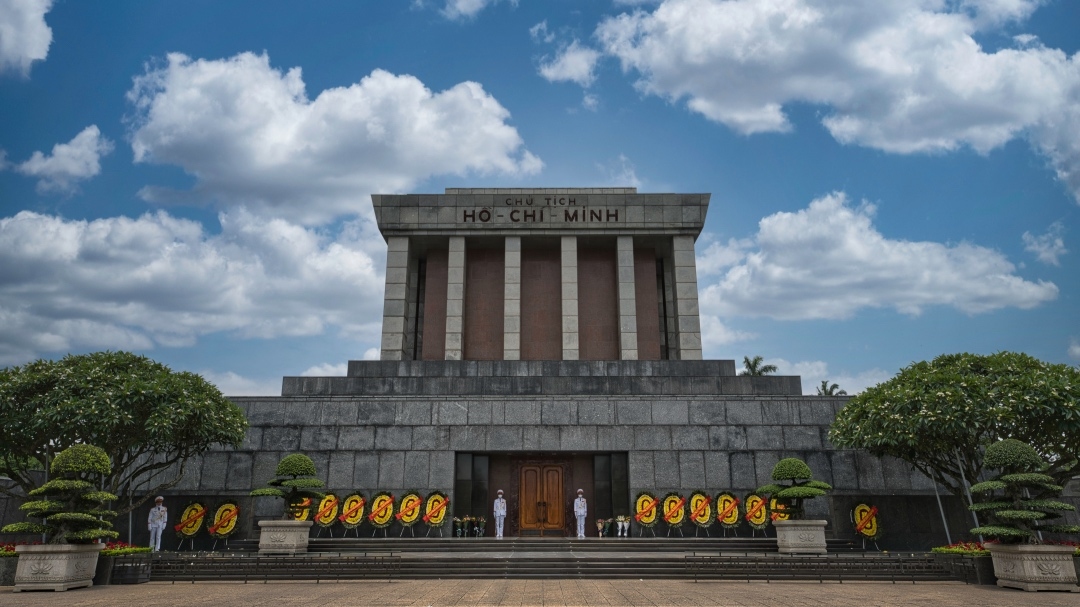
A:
x: 897, y: 75
x: 327, y: 370
x: 249, y: 135
x: 829, y: 261
x: 540, y: 33
x: 620, y: 172
x: 69, y: 163
x: 574, y: 63
x: 467, y: 9
x: 232, y: 384
x: 1047, y: 247
x: 715, y: 333
x: 590, y: 102
x: 814, y: 372
x: 24, y: 35
x: 160, y: 280
x: 371, y: 354
x: 1074, y: 349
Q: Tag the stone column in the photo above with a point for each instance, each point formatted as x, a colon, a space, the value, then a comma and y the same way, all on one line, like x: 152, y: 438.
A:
x: 627, y: 299
x: 570, y: 347
x: 687, y: 321
x: 512, y: 299
x: 395, y: 298
x: 455, y: 298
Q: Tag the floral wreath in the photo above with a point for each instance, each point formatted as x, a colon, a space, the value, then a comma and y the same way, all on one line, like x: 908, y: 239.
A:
x: 300, y: 511
x: 382, y: 510
x: 866, y: 520
x: 645, y: 509
x: 777, y: 510
x: 757, y: 511
x: 674, y: 509
x: 352, y: 510
x: 409, y: 508
x: 191, y: 520
x: 435, y: 509
x: 225, y: 519
x: 701, y: 508
x: 326, y: 513
x: 727, y: 510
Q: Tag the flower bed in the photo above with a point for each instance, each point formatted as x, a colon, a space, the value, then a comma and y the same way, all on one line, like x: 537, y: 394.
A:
x: 968, y: 562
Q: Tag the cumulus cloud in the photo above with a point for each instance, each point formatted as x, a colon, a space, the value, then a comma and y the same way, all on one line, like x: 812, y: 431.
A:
x: 160, y: 280
x: 249, y: 135
x: 813, y: 372
x: 620, y: 172
x: 829, y: 261
x: 467, y: 9
x: 540, y: 33
x: 573, y: 63
x: 715, y: 333
x: 69, y: 163
x: 897, y: 75
x: 24, y: 35
x: 1047, y: 247
x: 233, y: 384
x: 327, y: 370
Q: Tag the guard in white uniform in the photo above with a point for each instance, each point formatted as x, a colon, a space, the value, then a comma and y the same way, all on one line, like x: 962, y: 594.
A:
x: 581, y: 510
x: 500, y: 514
x: 159, y: 516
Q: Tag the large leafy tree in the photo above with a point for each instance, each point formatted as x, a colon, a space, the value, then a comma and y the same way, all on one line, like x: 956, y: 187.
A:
x: 756, y: 366
x: 940, y: 415
x: 148, y: 419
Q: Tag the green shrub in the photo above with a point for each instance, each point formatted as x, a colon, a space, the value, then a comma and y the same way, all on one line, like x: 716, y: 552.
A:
x: 801, y: 486
x: 70, y: 507
x: 294, y: 482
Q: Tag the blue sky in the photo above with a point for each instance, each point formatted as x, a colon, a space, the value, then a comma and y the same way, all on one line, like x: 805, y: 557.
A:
x: 891, y: 179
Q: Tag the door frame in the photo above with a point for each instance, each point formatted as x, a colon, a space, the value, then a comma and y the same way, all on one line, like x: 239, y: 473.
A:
x: 514, y: 503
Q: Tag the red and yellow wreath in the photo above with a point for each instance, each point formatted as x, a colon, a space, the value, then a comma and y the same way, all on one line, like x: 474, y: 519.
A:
x: 646, y: 509
x: 352, y: 511
x: 701, y: 508
x: 326, y: 513
x: 757, y: 512
x: 776, y: 510
x: 191, y: 520
x: 727, y: 510
x: 674, y: 509
x: 866, y: 521
x: 382, y: 510
x: 300, y: 511
x: 225, y: 518
x: 409, y: 508
x: 435, y: 509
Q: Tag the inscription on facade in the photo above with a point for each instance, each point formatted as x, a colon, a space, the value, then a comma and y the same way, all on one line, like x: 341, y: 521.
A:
x: 582, y: 214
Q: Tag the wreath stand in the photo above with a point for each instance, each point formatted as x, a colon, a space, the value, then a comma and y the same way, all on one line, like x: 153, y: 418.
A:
x: 190, y: 540
x: 224, y: 539
x: 410, y: 528
x: 641, y: 531
x: 377, y: 530
x: 670, y: 527
x: 428, y: 534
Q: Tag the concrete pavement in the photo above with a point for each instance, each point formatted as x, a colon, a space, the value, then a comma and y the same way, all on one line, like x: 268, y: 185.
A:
x: 649, y: 593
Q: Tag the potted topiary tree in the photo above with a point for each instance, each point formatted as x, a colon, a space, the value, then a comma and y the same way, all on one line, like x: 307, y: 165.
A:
x: 72, y: 519
x: 294, y: 482
x: 796, y: 535
x: 1017, y: 515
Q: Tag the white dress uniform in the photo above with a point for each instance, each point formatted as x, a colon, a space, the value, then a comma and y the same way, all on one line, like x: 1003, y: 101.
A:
x: 581, y: 510
x: 159, y: 516
x: 500, y: 515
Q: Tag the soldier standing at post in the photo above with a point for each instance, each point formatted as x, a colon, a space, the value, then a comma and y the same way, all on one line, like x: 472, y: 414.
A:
x: 159, y: 516
x: 581, y: 510
x: 500, y: 514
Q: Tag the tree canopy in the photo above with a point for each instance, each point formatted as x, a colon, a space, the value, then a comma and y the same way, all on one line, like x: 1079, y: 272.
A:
x: 148, y: 419
x: 941, y: 415
x: 754, y: 366
x: 827, y: 389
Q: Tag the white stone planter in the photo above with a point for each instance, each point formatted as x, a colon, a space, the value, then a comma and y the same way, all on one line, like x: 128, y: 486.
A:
x: 801, y: 537
x: 283, y: 537
x: 56, y: 566
x: 1034, y: 567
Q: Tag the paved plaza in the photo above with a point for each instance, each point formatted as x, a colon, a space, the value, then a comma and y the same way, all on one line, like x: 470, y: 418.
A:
x: 541, y: 592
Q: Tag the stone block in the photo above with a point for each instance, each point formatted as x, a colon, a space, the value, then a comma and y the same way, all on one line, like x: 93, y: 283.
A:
x: 339, y: 413
x: 691, y: 470
x: 479, y: 413
x: 391, y: 470
x: 666, y: 469
x: 614, y: 438
x: 252, y: 439
x: 215, y: 468
x: 366, y: 471
x: 442, y: 471
x: 321, y: 459
x: 634, y: 412
x: 743, y: 475
x: 541, y: 438
x: 558, y: 413
x: 266, y: 413
x: 376, y: 413
x: 744, y: 413
x: 318, y: 438
x: 871, y: 475
x: 595, y: 412
x: 577, y: 438
x: 820, y: 465
x: 640, y: 464
x: 717, y: 472
x: 468, y: 438
x: 652, y: 438
x: 759, y: 438
x: 779, y: 412
x: 505, y: 438
x: 431, y: 438
x: 802, y: 438
x: 356, y: 438
x: 673, y: 412
x: 393, y: 438
x: 707, y: 412
x: 340, y: 471
x: 281, y: 438
x: 691, y: 438
x: 819, y: 412
x: 413, y: 413
x: 897, y: 474
x: 416, y: 470
x: 452, y: 413
x: 263, y: 468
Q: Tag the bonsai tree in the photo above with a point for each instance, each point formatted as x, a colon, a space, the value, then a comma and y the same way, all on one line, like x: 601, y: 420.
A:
x: 295, y: 481
x: 800, y: 486
x: 1027, y: 495
x: 70, y: 506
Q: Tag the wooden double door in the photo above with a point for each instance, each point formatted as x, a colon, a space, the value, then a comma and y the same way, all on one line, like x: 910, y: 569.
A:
x: 541, y: 499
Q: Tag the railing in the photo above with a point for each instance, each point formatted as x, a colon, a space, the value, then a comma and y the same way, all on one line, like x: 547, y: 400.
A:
x: 247, y: 567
